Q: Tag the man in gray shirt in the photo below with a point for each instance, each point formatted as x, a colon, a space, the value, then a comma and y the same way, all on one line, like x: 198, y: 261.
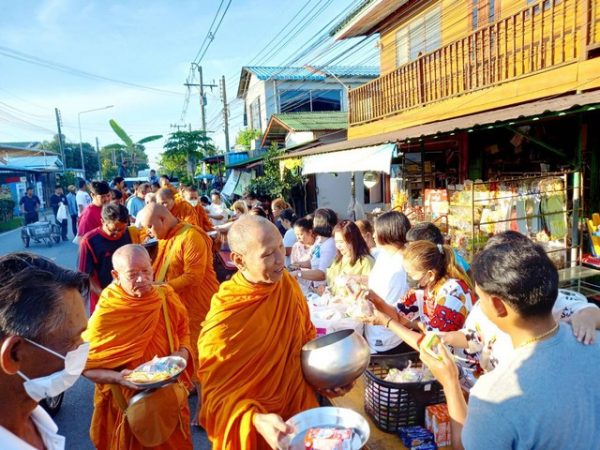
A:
x: 546, y: 396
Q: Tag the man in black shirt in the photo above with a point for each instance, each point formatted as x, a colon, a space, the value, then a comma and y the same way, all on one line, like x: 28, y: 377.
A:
x: 97, y: 247
x: 30, y: 204
x: 56, y: 200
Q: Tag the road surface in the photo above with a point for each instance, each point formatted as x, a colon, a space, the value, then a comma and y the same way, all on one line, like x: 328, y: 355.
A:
x: 75, y: 416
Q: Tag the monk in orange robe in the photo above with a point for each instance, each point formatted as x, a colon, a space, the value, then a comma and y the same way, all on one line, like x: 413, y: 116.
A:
x: 127, y: 329
x: 185, y: 252
x: 191, y: 195
x: 181, y: 209
x: 249, y: 349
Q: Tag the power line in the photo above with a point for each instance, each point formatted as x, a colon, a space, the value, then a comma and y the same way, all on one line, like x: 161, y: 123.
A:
x: 212, y: 33
x: 209, y: 32
x: 20, y: 56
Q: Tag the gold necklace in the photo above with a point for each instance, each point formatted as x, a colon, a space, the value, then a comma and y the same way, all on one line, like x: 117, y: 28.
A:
x: 541, y: 337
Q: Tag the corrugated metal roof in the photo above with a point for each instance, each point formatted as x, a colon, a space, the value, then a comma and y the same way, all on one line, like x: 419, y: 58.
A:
x: 316, y: 73
x: 472, y: 121
x: 36, y: 162
x: 302, y: 73
x: 11, y: 168
x: 314, y: 121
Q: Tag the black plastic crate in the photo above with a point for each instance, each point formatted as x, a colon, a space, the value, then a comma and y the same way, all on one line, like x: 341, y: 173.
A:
x: 395, y: 405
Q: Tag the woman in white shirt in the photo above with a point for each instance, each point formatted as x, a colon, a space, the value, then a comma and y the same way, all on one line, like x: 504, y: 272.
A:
x: 388, y: 277
x: 217, y: 211
x: 323, y: 251
x: 287, y: 219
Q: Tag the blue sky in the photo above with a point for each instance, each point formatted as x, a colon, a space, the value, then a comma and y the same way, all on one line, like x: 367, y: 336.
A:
x: 145, y: 42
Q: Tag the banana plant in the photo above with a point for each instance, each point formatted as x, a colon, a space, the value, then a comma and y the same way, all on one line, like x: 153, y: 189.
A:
x: 134, y: 150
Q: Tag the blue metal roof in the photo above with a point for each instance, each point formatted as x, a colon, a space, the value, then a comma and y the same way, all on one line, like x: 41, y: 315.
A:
x: 318, y: 74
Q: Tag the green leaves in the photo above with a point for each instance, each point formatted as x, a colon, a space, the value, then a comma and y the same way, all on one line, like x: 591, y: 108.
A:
x: 184, y: 149
x: 150, y: 139
x: 121, y: 133
x: 275, y: 183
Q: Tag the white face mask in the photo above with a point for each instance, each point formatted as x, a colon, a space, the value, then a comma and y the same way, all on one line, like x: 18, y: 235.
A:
x: 193, y: 202
x: 58, y: 382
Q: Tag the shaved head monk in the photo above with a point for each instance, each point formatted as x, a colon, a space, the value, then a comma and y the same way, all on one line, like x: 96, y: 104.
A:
x: 181, y: 209
x: 249, y: 348
x: 184, y: 261
x: 129, y: 328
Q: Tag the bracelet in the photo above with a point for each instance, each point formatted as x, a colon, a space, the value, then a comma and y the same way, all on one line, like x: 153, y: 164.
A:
x: 387, y: 325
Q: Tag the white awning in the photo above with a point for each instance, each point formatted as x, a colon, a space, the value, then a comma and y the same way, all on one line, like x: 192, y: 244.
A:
x: 377, y: 158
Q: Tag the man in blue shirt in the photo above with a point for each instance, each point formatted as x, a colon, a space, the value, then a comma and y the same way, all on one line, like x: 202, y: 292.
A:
x: 545, y: 394
x: 136, y: 202
x: 30, y: 205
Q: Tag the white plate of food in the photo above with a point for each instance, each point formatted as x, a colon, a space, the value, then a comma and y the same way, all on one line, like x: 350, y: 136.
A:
x: 157, y: 372
x: 326, y: 428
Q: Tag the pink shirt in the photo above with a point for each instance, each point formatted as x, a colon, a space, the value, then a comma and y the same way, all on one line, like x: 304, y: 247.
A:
x: 91, y: 218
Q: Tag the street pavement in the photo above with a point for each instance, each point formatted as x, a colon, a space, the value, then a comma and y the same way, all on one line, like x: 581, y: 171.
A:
x: 75, y: 415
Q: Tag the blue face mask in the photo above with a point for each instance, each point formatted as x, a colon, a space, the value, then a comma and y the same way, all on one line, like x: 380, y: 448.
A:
x: 58, y: 382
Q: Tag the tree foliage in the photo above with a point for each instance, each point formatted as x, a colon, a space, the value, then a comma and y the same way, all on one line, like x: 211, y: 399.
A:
x: 245, y: 137
x: 183, y: 150
x: 276, y: 181
x: 73, y: 155
x: 128, y: 149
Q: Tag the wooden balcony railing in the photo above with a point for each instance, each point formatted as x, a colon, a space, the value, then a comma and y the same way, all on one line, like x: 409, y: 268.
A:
x: 544, y: 35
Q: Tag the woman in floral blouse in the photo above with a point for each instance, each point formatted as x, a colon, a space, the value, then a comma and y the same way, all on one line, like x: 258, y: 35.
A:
x: 440, y: 297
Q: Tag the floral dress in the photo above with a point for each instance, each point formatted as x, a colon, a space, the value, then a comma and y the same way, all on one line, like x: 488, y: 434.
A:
x: 444, y: 308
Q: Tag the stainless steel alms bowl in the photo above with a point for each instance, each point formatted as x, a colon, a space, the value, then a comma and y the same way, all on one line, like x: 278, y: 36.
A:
x: 335, y: 360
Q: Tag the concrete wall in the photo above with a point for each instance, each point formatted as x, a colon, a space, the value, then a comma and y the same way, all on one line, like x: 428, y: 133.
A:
x: 334, y: 192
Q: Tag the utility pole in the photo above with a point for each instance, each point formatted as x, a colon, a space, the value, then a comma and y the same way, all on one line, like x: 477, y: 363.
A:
x: 201, y: 85
x: 99, y: 162
x: 61, y: 144
x: 225, y: 112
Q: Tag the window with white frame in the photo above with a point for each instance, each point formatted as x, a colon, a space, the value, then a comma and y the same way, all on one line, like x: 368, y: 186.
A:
x: 421, y: 35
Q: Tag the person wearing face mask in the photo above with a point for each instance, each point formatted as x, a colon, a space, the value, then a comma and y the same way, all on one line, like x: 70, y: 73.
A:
x: 97, y: 247
x: 178, y: 207
x: 42, y: 353
x: 190, y: 194
x: 441, y: 294
x: 249, y: 364
x: 129, y: 328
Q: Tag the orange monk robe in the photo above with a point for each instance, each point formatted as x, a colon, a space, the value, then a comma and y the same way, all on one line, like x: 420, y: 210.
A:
x: 203, y: 220
x: 185, y: 212
x: 125, y: 332
x: 249, y: 359
x: 190, y: 272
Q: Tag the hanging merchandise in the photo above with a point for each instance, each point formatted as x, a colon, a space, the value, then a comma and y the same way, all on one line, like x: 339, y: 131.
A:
x: 553, y: 207
x: 535, y: 206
